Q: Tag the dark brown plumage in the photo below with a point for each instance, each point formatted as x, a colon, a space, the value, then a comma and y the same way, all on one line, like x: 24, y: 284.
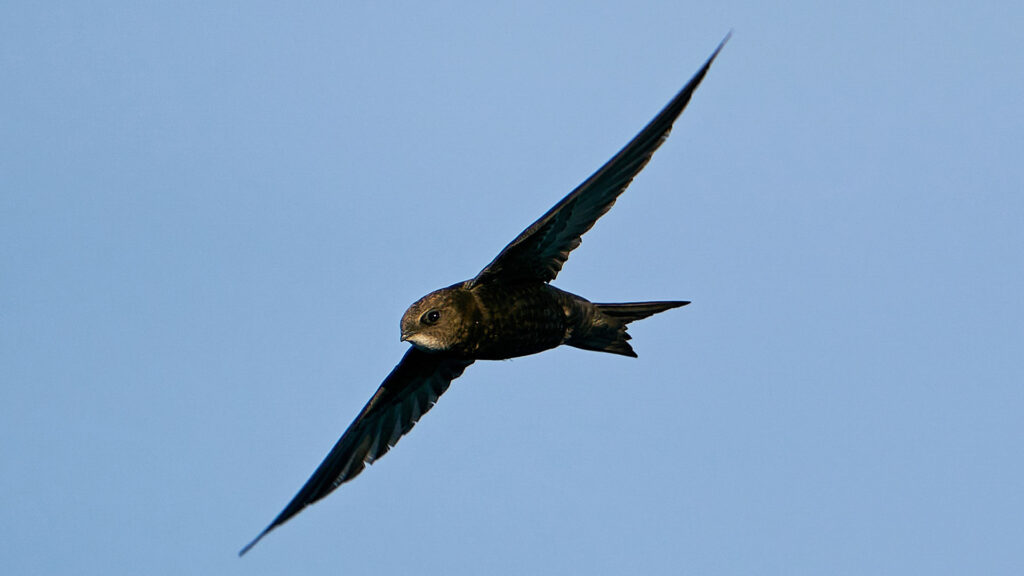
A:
x: 507, y: 310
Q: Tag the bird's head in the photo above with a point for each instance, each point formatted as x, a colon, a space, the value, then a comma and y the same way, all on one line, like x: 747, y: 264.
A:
x: 436, y: 322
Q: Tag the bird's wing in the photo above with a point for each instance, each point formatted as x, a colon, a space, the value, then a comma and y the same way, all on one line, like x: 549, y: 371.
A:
x: 407, y: 393
x: 541, y: 250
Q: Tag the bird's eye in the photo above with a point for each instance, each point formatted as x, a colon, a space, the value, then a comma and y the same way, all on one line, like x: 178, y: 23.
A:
x: 430, y: 317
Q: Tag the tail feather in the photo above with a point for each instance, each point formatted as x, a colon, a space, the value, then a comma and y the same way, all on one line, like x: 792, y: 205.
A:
x: 638, y: 310
x: 608, y: 333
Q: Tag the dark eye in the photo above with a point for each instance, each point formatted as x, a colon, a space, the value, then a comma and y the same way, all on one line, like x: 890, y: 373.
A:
x: 430, y: 317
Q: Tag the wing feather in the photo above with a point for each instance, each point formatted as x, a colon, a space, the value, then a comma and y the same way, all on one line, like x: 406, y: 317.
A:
x: 412, y: 388
x: 539, y: 252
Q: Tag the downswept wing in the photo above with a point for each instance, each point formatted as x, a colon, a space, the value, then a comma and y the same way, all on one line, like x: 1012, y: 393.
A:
x: 541, y: 250
x: 407, y: 393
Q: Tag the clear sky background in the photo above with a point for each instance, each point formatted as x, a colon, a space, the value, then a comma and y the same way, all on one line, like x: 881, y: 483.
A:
x: 212, y: 216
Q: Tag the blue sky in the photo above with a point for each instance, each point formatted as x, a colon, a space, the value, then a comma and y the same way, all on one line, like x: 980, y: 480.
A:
x: 213, y: 216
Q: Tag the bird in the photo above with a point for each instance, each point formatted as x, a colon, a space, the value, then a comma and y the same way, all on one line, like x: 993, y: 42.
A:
x: 509, y: 309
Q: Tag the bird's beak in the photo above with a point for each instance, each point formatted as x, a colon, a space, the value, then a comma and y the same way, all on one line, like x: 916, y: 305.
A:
x: 405, y: 337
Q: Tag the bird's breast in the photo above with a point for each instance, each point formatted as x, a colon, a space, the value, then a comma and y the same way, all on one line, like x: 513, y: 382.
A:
x: 518, y: 320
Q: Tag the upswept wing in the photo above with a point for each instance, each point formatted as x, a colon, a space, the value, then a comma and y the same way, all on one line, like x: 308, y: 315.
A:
x: 407, y: 393
x: 541, y: 250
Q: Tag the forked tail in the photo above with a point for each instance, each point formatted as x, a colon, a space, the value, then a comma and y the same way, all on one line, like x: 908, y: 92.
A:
x: 607, y: 332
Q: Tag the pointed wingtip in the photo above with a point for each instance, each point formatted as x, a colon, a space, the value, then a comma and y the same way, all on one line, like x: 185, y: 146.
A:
x: 676, y: 106
x: 728, y: 35
x: 717, y: 50
x: 254, y: 541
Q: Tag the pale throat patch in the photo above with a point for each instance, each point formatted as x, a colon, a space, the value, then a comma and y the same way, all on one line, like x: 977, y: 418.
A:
x: 427, y: 342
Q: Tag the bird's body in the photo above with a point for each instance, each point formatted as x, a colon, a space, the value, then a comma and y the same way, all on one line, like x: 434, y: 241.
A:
x: 508, y: 310
x: 524, y: 319
x: 494, y: 321
x: 491, y: 322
